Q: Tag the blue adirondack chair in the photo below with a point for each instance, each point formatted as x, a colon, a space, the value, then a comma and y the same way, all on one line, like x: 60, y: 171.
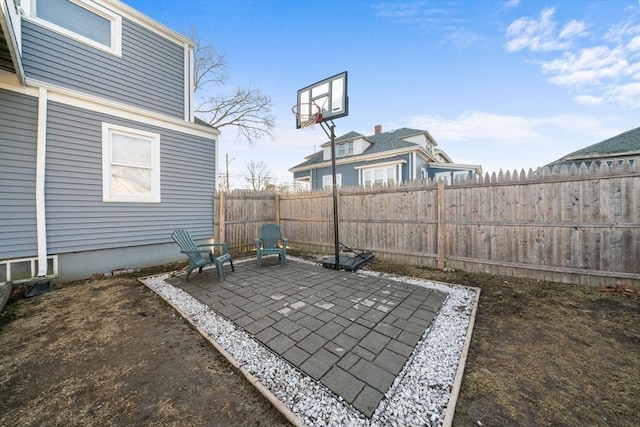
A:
x: 198, y: 257
x: 271, y: 242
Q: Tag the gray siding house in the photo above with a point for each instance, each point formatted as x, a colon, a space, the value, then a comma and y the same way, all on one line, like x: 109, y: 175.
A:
x: 384, y: 158
x: 615, y: 149
x: 101, y: 157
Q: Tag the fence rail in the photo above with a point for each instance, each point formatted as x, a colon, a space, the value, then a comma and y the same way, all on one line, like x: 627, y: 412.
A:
x: 574, y: 225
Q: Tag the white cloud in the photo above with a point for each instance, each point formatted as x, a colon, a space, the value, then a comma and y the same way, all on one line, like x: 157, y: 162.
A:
x: 605, y: 72
x: 497, y: 141
x: 589, y: 100
x: 573, y: 29
x: 591, y: 66
x: 410, y: 12
x: 462, y: 37
x: 478, y: 126
x: 627, y: 95
x: 540, y: 34
x: 442, y: 19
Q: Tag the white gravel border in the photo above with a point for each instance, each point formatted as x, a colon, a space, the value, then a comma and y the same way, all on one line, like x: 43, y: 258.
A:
x: 420, y: 395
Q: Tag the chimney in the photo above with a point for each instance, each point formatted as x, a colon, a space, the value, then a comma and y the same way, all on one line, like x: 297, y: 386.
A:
x: 378, y: 129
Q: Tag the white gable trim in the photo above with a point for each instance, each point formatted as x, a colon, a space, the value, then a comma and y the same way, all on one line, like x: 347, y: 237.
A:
x: 361, y: 158
x: 94, y: 103
x: 145, y: 21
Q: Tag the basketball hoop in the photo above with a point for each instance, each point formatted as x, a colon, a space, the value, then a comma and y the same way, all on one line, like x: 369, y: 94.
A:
x: 307, y: 113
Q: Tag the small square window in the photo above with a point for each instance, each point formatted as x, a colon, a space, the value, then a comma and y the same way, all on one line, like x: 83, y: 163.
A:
x: 327, y: 181
x: 130, y: 165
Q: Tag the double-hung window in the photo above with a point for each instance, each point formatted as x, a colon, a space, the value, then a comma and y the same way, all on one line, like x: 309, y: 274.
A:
x: 327, y: 181
x: 379, y: 176
x: 130, y: 165
x: 81, y: 20
x: 345, y: 149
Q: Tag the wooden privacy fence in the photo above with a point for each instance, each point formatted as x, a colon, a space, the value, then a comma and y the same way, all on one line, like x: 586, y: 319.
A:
x: 574, y: 225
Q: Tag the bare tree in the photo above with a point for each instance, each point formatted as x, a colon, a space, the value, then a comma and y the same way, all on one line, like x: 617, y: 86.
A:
x: 258, y: 176
x: 247, y: 109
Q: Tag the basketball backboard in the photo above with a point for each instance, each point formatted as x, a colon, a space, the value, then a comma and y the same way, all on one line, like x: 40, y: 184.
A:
x: 330, y: 97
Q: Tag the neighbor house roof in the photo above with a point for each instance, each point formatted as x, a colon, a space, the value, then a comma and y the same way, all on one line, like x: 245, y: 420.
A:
x: 626, y: 144
x: 385, y: 141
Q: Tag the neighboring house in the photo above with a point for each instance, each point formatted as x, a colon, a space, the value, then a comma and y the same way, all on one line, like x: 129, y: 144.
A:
x: 100, y: 155
x: 623, y: 146
x: 384, y: 158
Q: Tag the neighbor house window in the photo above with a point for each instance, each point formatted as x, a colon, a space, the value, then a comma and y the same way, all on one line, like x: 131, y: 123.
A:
x: 130, y: 165
x: 327, y: 181
x: 379, y: 176
x: 81, y: 20
x: 461, y: 176
x: 345, y: 149
x: 445, y: 176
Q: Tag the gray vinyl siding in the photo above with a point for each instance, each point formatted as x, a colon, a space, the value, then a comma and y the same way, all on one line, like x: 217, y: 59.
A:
x: 18, y: 132
x: 421, y: 162
x: 149, y: 75
x: 303, y: 174
x: 349, y: 176
x: 405, y: 173
x: 78, y: 219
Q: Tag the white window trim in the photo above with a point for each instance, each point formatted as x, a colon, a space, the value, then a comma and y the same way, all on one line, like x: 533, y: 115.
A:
x: 346, y: 151
x: 397, y: 166
x: 329, y: 178
x: 29, y: 7
x: 107, y: 129
x: 34, y: 264
x: 445, y: 176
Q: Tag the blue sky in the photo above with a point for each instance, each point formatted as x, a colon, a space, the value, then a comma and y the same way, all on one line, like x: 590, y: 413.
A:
x: 506, y: 84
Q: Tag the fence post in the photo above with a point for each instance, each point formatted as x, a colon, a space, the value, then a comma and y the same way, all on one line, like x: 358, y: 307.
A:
x: 278, y: 208
x: 441, y: 211
x: 222, y: 217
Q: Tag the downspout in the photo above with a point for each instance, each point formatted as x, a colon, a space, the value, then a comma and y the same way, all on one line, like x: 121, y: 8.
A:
x: 41, y: 157
x: 187, y: 82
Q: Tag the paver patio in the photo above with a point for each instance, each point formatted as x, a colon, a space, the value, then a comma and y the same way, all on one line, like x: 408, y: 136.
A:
x: 351, y: 332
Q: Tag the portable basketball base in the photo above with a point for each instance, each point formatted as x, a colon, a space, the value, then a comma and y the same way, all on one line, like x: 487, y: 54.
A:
x: 330, y: 98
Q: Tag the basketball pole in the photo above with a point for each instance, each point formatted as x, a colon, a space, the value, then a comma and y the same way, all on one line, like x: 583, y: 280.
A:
x: 331, y: 134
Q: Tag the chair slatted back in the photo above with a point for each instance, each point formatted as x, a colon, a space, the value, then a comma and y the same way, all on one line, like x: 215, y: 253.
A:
x: 186, y: 243
x: 270, y: 235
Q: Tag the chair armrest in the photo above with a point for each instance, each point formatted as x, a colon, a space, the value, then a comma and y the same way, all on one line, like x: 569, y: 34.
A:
x: 284, y: 242
x: 195, y: 252
x: 258, y: 243
x: 224, y: 246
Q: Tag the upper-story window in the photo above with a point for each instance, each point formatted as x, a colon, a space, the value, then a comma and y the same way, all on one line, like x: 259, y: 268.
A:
x: 345, y: 149
x: 81, y: 20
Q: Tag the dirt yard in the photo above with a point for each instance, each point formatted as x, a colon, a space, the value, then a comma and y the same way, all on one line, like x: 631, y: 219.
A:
x: 111, y: 352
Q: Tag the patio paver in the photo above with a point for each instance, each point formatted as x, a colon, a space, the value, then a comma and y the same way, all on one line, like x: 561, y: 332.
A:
x: 349, y: 331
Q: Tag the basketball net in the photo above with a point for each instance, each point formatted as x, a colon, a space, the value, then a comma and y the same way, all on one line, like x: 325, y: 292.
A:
x: 308, y: 114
